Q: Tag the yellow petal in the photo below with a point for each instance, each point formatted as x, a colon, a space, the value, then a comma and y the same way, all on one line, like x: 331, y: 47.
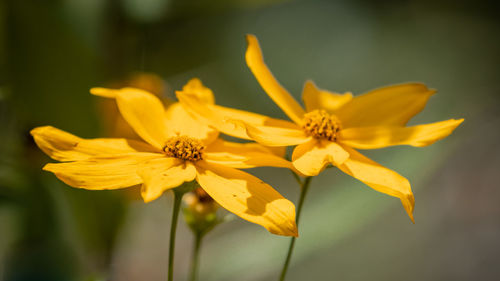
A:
x: 143, y: 111
x: 275, y: 136
x: 315, y: 98
x: 276, y: 150
x: 276, y: 92
x: 161, y: 174
x: 180, y: 123
x: 379, y: 178
x: 99, y: 173
x: 243, y: 155
x: 378, y: 137
x: 104, y: 92
x: 248, y: 197
x: 221, y: 145
x: 218, y: 116
x: 196, y: 87
x: 312, y: 157
x: 63, y: 146
x: 389, y: 106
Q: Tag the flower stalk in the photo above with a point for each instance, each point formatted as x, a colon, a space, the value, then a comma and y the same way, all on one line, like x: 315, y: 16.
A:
x: 198, y: 237
x: 173, y: 228
x: 178, y: 193
x: 303, y: 192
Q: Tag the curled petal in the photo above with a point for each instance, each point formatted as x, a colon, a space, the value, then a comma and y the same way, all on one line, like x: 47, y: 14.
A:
x: 248, y: 197
x: 389, y: 106
x: 315, y: 98
x: 273, y: 88
x: 161, y: 174
x: 379, y: 137
x: 379, y: 178
x: 312, y: 157
x: 99, y: 173
x: 62, y: 146
x: 105, y: 92
x: 196, y: 87
x: 275, y: 136
x: 243, y: 155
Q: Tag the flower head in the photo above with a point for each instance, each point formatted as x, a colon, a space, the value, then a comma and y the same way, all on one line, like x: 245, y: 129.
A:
x: 332, y: 125
x: 175, y: 149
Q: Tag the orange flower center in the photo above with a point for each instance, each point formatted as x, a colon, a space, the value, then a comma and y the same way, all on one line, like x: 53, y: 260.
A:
x: 321, y: 125
x: 184, y: 148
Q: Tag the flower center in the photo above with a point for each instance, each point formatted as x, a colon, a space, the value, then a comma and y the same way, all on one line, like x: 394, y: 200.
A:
x: 321, y: 125
x: 184, y: 148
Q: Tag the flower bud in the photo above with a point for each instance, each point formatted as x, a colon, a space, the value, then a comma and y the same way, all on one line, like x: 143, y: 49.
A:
x: 200, y: 211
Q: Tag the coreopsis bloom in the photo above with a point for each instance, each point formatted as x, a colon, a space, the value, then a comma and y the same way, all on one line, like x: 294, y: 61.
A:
x: 332, y: 126
x: 175, y: 149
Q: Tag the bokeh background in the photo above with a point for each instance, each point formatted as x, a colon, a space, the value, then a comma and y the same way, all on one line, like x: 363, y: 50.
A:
x: 53, y: 51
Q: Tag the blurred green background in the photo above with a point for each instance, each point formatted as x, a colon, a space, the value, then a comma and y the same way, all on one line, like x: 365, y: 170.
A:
x: 53, y: 51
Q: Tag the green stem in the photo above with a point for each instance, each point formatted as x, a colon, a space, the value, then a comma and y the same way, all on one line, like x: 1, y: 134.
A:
x: 303, y: 191
x: 173, y: 228
x: 297, y: 178
x: 195, y: 257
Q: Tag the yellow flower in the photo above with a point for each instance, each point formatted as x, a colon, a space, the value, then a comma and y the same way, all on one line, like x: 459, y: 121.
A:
x: 176, y: 149
x: 332, y: 125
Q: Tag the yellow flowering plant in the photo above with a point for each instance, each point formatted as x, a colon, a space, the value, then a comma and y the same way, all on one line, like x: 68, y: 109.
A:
x: 175, y: 152
x: 330, y: 128
x: 179, y: 148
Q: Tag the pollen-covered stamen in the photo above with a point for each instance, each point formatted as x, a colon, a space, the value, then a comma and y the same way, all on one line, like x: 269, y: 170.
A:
x: 322, y: 125
x: 184, y: 148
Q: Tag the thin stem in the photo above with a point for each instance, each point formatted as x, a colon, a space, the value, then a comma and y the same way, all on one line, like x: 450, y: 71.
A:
x: 195, y: 257
x: 303, y: 191
x: 173, y: 228
x: 297, y: 178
